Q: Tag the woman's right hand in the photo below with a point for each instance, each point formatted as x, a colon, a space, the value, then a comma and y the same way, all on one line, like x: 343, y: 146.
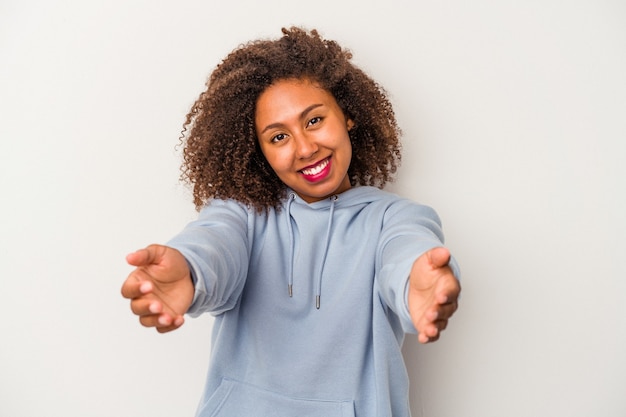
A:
x: 160, y: 288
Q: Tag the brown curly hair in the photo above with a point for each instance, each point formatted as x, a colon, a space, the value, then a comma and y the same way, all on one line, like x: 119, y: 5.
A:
x: 221, y: 155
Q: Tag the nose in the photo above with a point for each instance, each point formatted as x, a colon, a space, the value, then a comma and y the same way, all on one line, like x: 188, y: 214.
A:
x: 306, y: 147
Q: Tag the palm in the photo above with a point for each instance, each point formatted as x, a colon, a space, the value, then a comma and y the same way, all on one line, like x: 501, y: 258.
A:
x: 433, y: 293
x: 167, y: 274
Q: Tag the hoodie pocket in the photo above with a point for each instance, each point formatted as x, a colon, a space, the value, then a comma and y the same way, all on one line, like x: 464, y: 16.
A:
x: 236, y: 399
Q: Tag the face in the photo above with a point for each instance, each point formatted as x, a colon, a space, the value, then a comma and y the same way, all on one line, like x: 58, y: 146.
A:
x: 303, y: 134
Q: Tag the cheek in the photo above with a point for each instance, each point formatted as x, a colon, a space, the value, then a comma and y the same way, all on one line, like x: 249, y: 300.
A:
x: 346, y: 144
x: 277, y: 158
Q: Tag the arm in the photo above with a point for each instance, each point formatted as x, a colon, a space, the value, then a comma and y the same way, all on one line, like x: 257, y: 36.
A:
x: 415, y: 270
x: 203, y: 268
x: 217, y: 250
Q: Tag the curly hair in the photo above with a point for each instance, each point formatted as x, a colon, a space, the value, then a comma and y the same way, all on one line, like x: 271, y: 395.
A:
x: 221, y: 154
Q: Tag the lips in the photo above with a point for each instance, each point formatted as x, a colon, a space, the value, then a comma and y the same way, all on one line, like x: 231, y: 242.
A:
x: 318, y: 171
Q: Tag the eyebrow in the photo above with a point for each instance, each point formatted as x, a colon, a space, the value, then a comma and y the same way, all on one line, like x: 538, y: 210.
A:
x: 302, y: 115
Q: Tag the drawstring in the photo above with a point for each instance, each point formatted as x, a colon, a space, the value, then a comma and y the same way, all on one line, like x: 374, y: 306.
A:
x: 292, y: 197
x: 318, y: 294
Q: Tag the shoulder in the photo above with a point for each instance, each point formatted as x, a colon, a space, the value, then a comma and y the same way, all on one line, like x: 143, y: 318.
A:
x: 367, y: 195
x: 226, y: 211
x: 382, y: 200
x: 398, y: 211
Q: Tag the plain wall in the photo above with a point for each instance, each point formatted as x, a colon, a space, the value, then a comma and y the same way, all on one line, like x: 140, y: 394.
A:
x: 514, y: 120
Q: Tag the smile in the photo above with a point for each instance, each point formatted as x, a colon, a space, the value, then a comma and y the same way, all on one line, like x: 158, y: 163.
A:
x: 317, y: 172
x: 316, y: 169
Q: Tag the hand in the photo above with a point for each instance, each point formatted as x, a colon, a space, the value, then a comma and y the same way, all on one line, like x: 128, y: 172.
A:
x: 160, y: 289
x: 433, y: 294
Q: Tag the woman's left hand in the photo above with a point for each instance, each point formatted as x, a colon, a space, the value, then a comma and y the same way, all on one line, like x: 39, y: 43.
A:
x: 433, y: 294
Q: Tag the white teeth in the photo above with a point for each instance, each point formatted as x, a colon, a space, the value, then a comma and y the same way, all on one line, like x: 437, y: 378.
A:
x: 316, y: 169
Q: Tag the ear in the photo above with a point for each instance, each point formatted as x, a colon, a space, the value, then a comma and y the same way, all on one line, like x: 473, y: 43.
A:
x: 349, y: 124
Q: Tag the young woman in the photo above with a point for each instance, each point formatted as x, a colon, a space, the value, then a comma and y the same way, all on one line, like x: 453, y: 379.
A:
x: 313, y: 273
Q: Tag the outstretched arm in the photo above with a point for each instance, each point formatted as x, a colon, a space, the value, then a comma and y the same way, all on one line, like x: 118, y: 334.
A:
x: 160, y: 288
x: 433, y: 294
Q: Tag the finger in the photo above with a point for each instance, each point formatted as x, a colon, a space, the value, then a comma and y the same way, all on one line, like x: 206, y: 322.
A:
x: 446, y: 311
x: 135, y: 287
x: 448, y: 290
x: 162, y: 322
x: 441, y: 325
x: 145, y: 306
x: 428, y: 329
x: 439, y: 257
x: 149, y: 255
x: 444, y: 306
x: 423, y: 338
x: 432, y: 331
x: 156, y: 320
x: 137, y: 258
x: 175, y: 325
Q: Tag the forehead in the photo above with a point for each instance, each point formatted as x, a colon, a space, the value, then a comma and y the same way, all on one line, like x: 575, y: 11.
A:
x: 291, y: 95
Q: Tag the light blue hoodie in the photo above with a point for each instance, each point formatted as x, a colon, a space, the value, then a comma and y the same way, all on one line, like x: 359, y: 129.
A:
x: 309, y: 302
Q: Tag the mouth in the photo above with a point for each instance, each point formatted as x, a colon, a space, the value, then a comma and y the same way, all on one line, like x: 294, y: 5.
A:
x: 318, y: 171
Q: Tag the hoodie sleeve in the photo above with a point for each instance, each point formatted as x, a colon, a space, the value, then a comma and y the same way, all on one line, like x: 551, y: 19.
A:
x: 409, y: 230
x: 217, y: 250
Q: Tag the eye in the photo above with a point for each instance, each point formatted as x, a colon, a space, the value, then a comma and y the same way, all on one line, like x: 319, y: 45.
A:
x: 314, y: 121
x: 278, y: 138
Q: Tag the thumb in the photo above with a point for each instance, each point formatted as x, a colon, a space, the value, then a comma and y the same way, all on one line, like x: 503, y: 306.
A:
x: 439, y: 257
x: 146, y: 256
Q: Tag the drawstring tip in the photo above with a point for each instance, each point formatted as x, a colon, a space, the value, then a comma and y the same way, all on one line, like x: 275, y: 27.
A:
x: 317, y: 302
x: 290, y: 288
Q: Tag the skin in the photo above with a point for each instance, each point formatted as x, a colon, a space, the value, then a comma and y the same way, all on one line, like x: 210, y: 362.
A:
x: 433, y: 294
x: 300, y: 127
x: 160, y: 288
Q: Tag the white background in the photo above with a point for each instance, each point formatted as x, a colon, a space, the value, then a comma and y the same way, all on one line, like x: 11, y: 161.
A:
x: 514, y: 116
